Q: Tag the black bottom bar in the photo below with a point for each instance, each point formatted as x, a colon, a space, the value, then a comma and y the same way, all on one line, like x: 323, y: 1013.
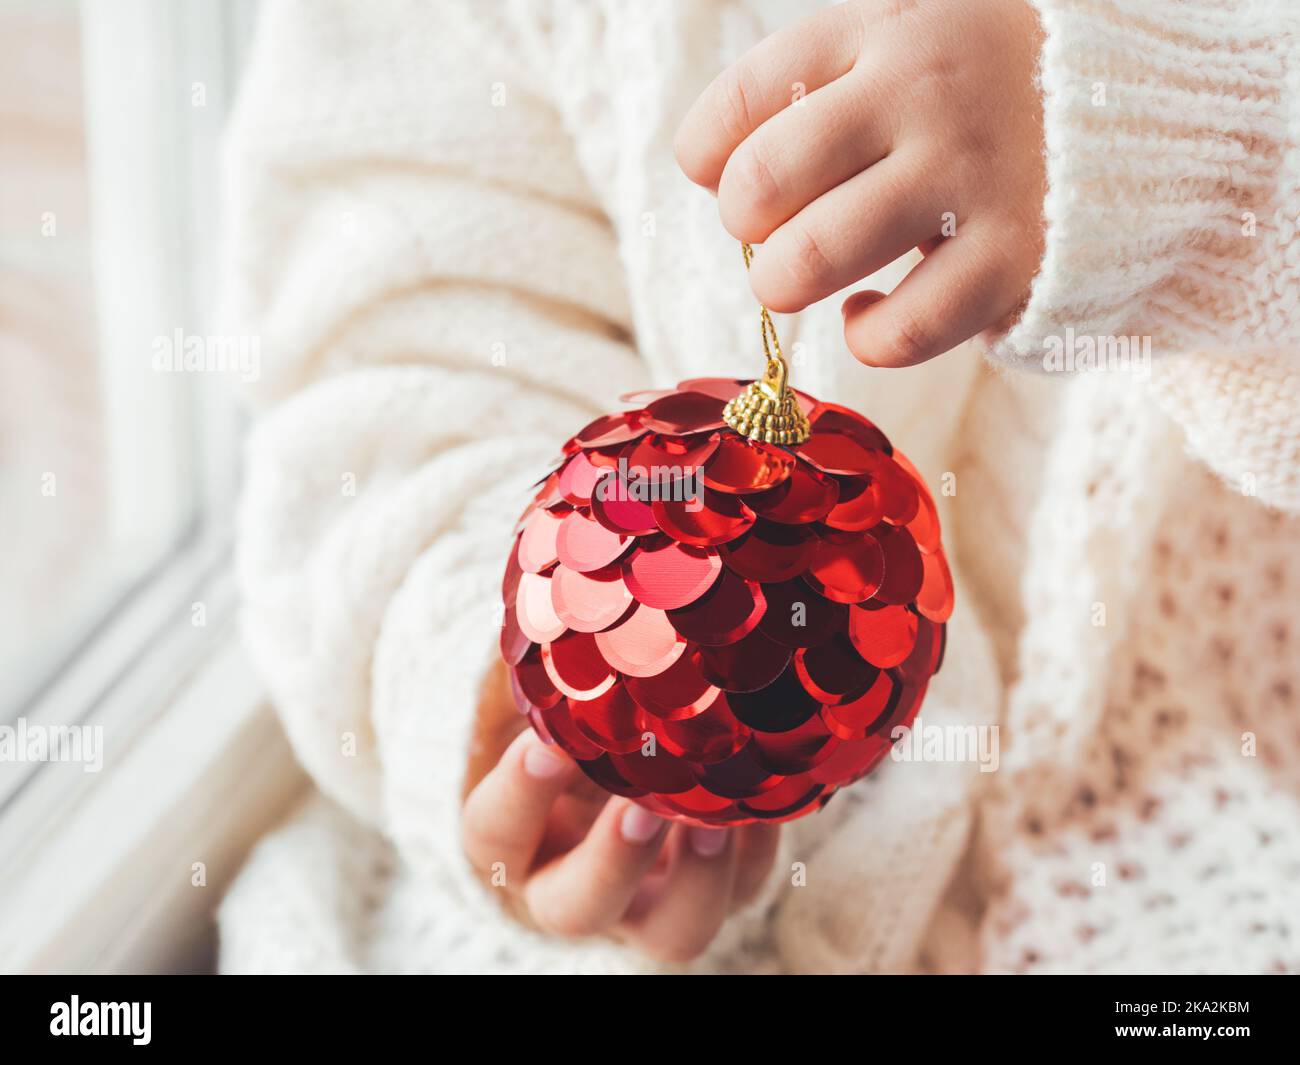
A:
x: 1017, y: 1013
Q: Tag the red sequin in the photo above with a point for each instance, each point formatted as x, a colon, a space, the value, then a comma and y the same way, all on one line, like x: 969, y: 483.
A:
x: 797, y: 616
x: 578, y: 478
x: 564, y: 732
x: 615, y: 508
x: 589, y: 602
x: 924, y: 527
x: 548, y: 495
x: 855, y: 719
x: 680, y: 691
x: 514, y: 641
x: 903, y: 571
x: 770, y: 552
x: 610, y: 429
x: 665, y: 460
x: 894, y: 490
x: 847, y: 568
x: 535, y: 609
x: 935, y: 598
x: 750, y: 663
x: 684, y: 412
x: 739, y: 465
x: 710, y: 736
x: 884, y: 637
x: 728, y: 611
x: 797, y: 750
x: 583, y: 544
x: 781, y: 705
x: 575, y: 666
x: 807, y: 495
x: 723, y: 388
x: 663, y: 776
x: 706, y: 522
x: 535, y: 682
x: 611, y: 720
x: 537, y: 543
x: 837, y: 453
x: 832, y: 418
x: 834, y: 672
x: 859, y: 505
x: 644, y: 644
x: 667, y: 575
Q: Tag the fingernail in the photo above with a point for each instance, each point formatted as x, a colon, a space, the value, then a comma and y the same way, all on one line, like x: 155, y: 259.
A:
x: 639, y: 825
x: 542, y: 762
x: 708, y: 842
x: 859, y: 301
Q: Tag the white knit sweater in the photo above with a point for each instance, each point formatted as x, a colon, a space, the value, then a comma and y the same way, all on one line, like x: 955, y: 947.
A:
x: 460, y: 232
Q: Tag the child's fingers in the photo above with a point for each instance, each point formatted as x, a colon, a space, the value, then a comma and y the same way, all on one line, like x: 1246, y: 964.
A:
x: 587, y: 890
x: 770, y: 76
x: 694, y: 899
x: 505, y: 816
x: 755, y: 850
x: 846, y: 235
x: 802, y: 152
x: 496, y: 724
x: 961, y: 286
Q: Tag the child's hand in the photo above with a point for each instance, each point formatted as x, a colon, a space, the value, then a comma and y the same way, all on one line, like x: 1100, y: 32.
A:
x: 921, y: 127
x: 577, y: 862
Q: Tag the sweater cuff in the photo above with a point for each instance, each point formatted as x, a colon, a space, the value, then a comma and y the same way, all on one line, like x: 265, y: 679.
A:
x: 1172, y: 151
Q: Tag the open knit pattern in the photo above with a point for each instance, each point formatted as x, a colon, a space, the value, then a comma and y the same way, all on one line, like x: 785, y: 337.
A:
x: 460, y: 233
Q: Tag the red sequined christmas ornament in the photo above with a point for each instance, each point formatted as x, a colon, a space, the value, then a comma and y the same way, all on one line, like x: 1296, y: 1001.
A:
x: 724, y: 601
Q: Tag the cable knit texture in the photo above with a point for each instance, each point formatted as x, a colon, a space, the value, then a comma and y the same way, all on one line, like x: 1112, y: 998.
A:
x: 1172, y: 136
x: 459, y: 231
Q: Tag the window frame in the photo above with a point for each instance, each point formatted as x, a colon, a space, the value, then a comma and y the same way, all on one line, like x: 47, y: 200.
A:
x: 171, y: 441
x: 184, y: 720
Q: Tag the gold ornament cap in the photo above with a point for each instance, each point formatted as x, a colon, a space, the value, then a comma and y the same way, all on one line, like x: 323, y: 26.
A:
x: 768, y: 410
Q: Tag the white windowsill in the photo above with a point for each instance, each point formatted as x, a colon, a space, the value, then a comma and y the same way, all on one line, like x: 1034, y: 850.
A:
x: 102, y: 879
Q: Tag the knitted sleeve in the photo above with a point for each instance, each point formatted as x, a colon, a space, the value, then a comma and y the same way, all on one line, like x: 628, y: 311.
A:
x: 439, y: 304
x: 1172, y: 133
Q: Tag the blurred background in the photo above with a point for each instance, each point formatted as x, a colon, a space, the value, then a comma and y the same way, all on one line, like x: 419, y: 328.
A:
x: 118, y: 475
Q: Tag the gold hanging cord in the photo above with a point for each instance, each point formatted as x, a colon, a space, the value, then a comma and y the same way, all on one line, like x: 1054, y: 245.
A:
x: 767, y: 410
